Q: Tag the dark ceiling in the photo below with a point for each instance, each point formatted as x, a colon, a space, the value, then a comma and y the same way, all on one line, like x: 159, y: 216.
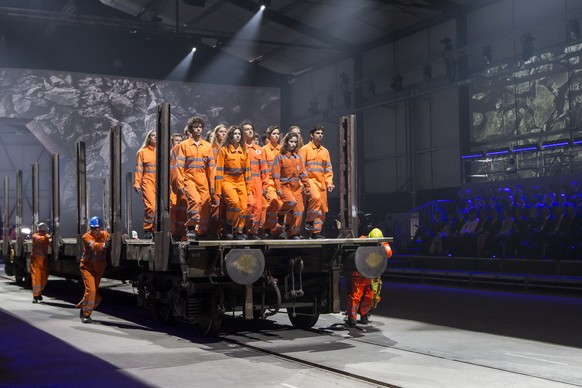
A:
x: 149, y: 37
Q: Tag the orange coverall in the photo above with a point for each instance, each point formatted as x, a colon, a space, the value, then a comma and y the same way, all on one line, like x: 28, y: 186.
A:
x: 361, y: 295
x: 290, y: 179
x: 320, y: 175
x: 178, y: 203
x: 217, y: 214
x: 259, y: 182
x: 272, y: 203
x: 39, y: 262
x: 145, y: 179
x: 92, y: 266
x: 233, y: 183
x: 195, y: 173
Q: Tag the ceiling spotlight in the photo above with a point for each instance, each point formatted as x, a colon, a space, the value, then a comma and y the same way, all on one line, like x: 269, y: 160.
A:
x: 264, y: 4
x: 256, y: 59
x: 193, y: 49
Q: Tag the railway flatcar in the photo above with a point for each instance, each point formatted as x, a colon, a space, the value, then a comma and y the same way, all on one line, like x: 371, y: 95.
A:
x: 195, y: 281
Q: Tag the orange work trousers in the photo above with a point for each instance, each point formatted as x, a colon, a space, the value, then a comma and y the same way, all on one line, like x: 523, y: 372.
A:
x: 38, y: 273
x: 217, y: 218
x: 178, y: 216
x: 91, y: 271
x: 173, y: 202
x: 254, y: 210
x: 148, y: 192
x: 234, y: 195
x: 271, y: 204
x: 292, y: 208
x: 360, y: 297
x: 198, y: 199
x: 316, y: 207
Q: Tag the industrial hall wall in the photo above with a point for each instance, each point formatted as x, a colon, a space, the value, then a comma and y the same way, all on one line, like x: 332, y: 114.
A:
x: 427, y: 98
x: 60, y: 109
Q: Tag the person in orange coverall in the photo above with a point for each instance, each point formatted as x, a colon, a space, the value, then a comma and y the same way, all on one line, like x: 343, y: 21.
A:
x: 181, y: 208
x: 41, y: 241
x: 175, y: 229
x: 233, y: 181
x: 259, y: 182
x: 194, y: 177
x: 217, y: 213
x: 272, y: 203
x: 93, y: 264
x: 320, y: 174
x: 296, y: 129
x: 365, y: 293
x: 290, y: 180
x: 144, y: 180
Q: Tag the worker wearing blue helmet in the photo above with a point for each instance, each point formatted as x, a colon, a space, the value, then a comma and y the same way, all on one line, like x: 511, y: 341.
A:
x: 41, y: 241
x: 93, y: 264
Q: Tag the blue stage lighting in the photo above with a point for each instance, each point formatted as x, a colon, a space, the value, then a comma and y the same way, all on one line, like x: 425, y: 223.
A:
x: 556, y: 143
x: 497, y: 152
x: 525, y: 148
x: 472, y: 156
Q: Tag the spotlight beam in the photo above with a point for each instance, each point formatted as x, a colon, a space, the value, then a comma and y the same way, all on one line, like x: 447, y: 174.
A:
x: 293, y: 24
x: 180, y: 72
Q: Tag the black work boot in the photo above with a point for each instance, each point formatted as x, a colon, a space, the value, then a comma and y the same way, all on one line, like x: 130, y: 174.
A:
x: 263, y: 233
x: 281, y: 219
x: 364, y: 319
x: 191, y: 233
x: 228, y: 232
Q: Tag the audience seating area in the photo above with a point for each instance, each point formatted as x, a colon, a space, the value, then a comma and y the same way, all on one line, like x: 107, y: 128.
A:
x: 507, y: 222
x: 500, y: 235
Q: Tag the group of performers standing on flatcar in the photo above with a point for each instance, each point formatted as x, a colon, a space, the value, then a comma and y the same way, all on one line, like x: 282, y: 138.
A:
x: 228, y: 186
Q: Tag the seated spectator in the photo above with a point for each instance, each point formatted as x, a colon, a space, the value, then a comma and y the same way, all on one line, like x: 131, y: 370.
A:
x: 555, y: 238
x: 572, y: 244
x: 546, y: 228
x: 502, y: 239
x: 461, y: 242
x: 437, y: 246
x: 426, y: 234
x: 490, y: 228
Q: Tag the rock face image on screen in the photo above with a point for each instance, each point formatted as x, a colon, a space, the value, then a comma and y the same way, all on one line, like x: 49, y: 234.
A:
x: 528, y: 102
x: 62, y: 108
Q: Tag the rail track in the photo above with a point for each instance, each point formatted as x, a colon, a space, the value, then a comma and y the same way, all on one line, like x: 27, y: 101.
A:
x: 328, y: 350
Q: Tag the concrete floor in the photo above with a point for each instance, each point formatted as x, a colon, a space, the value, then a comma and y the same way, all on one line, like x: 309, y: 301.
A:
x: 420, y: 336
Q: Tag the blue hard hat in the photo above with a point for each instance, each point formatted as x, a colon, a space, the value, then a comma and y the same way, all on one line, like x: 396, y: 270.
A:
x: 95, y: 222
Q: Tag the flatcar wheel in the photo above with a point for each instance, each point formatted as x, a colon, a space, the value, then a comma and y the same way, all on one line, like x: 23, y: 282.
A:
x: 163, y: 313
x: 208, y: 326
x: 8, y: 266
x: 304, y: 317
x: 210, y: 322
x: 20, y: 275
x: 258, y: 314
